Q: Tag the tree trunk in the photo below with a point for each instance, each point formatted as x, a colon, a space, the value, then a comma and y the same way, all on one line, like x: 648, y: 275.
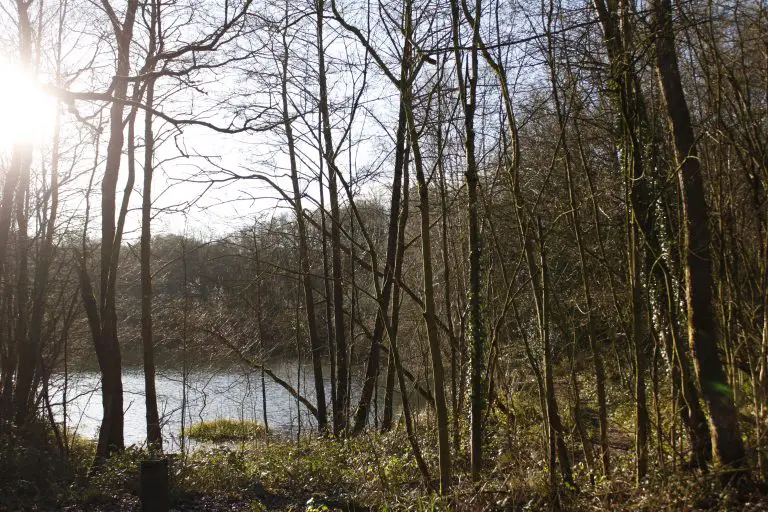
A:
x: 154, y: 435
x: 306, y: 277
x: 597, y: 358
x: 372, y: 365
x: 386, y: 422
x: 556, y: 432
x: 105, y: 343
x: 342, y: 372
x: 637, y: 341
x: 468, y: 96
x: 444, y: 447
x: 15, y: 193
x: 329, y: 331
x: 702, y: 329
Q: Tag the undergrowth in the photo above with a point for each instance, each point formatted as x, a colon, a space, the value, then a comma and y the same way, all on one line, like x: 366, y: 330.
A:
x: 226, y: 430
x: 374, y: 471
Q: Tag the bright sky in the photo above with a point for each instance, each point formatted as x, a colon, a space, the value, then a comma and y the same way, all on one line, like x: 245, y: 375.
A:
x: 27, y: 114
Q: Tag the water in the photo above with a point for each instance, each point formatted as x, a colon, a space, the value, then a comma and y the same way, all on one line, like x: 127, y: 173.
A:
x: 211, y: 394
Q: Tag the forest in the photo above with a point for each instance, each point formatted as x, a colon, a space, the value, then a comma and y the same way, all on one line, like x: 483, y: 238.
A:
x: 466, y: 254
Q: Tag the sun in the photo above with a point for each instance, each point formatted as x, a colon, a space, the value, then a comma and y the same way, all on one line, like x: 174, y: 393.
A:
x: 27, y: 113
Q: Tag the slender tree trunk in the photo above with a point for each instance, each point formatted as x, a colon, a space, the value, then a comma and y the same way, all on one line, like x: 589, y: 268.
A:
x: 638, y: 342
x: 15, y: 193
x: 444, y: 447
x: 456, y: 376
x: 26, y: 351
x: 184, y: 333
x: 468, y: 95
x: 386, y: 422
x: 342, y: 372
x: 154, y: 435
x: 556, y: 431
x: 306, y: 277
x: 260, y: 327
x: 330, y: 337
x: 265, y: 419
x: 372, y: 366
x: 597, y: 358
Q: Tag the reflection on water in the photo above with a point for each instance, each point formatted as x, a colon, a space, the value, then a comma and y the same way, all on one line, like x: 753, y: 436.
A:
x: 211, y: 394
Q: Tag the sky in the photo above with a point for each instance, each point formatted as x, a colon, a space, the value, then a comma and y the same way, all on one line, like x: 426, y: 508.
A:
x: 187, y: 159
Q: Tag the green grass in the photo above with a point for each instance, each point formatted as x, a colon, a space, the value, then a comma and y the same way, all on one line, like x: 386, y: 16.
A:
x: 226, y: 430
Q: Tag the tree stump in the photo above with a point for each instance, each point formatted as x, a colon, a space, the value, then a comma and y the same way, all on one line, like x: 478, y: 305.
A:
x: 154, y: 485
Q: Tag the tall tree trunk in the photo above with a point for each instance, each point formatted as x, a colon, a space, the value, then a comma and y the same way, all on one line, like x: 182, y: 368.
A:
x: 154, y: 435
x: 448, y: 298
x: 468, y: 96
x: 444, y: 447
x: 306, y: 277
x: 702, y: 329
x: 342, y: 372
x: 26, y: 351
x: 329, y: 331
x: 105, y: 336
x: 15, y: 193
x: 637, y: 340
x: 260, y: 326
x: 429, y: 319
x: 386, y: 422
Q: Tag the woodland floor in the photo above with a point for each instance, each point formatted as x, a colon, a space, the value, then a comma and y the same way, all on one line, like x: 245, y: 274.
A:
x: 373, y: 471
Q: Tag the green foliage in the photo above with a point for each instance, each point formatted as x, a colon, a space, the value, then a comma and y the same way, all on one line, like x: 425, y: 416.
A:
x: 313, y: 507
x: 28, y: 466
x: 216, y: 471
x: 226, y: 430
x: 313, y: 466
x: 115, y: 477
x: 34, y: 470
x: 375, y: 469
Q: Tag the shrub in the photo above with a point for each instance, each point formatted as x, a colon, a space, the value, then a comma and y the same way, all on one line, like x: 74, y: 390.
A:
x: 226, y: 430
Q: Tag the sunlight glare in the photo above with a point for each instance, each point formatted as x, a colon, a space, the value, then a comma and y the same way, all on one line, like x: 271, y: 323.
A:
x: 27, y: 113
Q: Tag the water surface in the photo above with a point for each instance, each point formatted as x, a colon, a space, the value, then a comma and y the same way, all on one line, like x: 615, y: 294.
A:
x: 211, y: 394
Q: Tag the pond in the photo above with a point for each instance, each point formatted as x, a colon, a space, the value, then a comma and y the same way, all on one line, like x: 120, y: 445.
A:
x: 211, y: 393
